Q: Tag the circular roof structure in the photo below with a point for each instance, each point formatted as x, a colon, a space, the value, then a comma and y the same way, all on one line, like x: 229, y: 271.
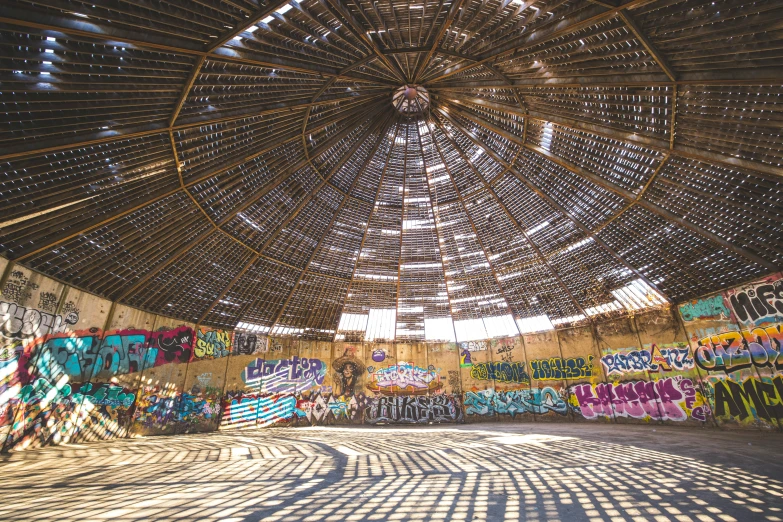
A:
x: 255, y: 162
x: 411, y: 99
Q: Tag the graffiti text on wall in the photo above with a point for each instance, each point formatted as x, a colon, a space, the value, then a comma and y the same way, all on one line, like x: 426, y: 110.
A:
x: 670, y: 398
x: 539, y: 401
x: 403, y: 377
x: 292, y: 375
x: 501, y: 372
x: 212, y: 344
x: 732, y: 351
x: 758, y: 302
x: 557, y: 368
x: 666, y: 358
x: 17, y: 322
x: 413, y: 410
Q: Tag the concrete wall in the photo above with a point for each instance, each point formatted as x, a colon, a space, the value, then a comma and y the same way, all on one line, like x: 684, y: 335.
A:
x: 75, y: 367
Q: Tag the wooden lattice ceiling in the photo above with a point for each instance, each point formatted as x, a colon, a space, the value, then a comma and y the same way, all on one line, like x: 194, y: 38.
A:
x: 226, y: 161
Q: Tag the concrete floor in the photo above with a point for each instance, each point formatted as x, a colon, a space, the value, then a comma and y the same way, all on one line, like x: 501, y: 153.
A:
x: 473, y: 472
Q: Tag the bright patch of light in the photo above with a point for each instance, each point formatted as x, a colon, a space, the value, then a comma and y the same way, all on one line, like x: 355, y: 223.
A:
x: 352, y: 323
x: 538, y: 227
x: 500, y: 326
x: 285, y: 9
x: 637, y: 295
x: 439, y: 329
x: 470, y: 330
x: 381, y: 323
x: 538, y: 323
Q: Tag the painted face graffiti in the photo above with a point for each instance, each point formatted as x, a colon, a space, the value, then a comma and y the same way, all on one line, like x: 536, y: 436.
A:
x: 292, y: 375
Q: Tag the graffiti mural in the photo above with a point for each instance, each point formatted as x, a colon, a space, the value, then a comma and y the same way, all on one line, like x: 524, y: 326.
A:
x: 249, y: 343
x: 710, y: 308
x: 259, y: 409
x: 413, y: 410
x: 348, y: 370
x: 749, y: 399
x: 500, y: 372
x: 666, y: 357
x: 538, y: 401
x: 557, y: 368
x: 18, y: 322
x: 293, y: 375
x: 174, y: 346
x: 669, y: 398
x: 757, y: 303
x: 733, y: 350
x: 326, y: 408
x: 212, y: 344
x: 403, y: 378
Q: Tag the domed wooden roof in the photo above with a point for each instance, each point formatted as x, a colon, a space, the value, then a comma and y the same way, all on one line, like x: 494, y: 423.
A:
x: 245, y: 162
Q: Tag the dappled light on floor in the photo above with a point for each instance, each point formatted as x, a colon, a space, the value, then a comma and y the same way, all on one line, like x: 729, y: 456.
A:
x: 456, y: 473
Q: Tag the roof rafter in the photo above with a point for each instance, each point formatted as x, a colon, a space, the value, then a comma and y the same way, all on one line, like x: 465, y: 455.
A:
x: 382, y: 131
x: 611, y: 187
x: 516, y: 223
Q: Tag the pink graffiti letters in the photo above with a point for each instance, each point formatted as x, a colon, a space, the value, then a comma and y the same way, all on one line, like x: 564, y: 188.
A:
x: 664, y: 399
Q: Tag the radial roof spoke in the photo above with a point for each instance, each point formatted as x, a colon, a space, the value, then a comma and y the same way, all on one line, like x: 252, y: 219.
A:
x: 357, y: 169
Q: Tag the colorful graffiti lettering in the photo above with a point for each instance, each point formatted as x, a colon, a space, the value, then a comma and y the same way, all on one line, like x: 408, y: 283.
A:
x: 212, y: 344
x: 557, y: 368
x: 325, y: 407
x: 174, y: 346
x: 761, y: 399
x: 292, y: 375
x: 676, y: 358
x: 670, y: 398
x: 502, y: 372
x: 710, y: 308
x: 260, y: 409
x: 405, y: 378
x: 474, y: 346
x: 538, y: 401
x: 758, y: 302
x: 17, y: 321
x: 732, y: 351
x: 413, y: 410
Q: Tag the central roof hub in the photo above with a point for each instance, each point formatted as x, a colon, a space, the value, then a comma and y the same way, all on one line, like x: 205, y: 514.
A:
x: 411, y: 99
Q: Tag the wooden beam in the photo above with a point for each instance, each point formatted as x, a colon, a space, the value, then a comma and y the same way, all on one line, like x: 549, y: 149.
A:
x: 338, y: 11
x: 374, y: 205
x: 433, y: 46
x: 657, y: 144
x: 520, y: 229
x: 331, y: 223
x: 612, y: 187
x: 648, y: 45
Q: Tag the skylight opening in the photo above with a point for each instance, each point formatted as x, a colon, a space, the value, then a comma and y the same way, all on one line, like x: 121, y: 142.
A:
x: 537, y: 323
x: 352, y: 323
x: 439, y: 329
x: 381, y: 324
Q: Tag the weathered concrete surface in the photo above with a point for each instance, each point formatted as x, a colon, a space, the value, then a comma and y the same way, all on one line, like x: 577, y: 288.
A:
x: 475, y: 472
